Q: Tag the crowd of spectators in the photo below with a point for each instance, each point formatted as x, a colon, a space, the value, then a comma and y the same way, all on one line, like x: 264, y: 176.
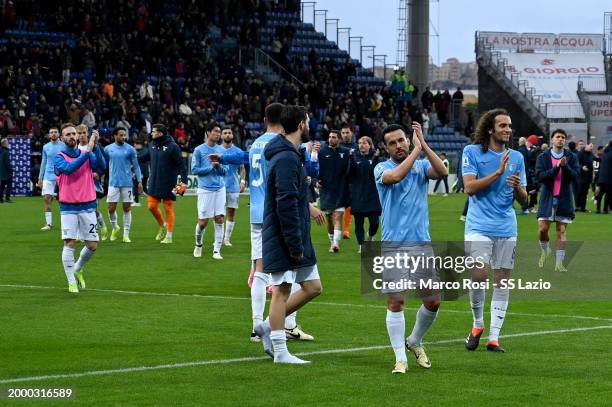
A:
x: 156, y: 61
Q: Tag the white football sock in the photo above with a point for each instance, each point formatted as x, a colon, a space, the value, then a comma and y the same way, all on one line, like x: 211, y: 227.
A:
x: 290, y: 319
x: 560, y: 255
x: 218, y: 237
x: 100, y: 219
x: 424, y: 320
x: 337, y: 236
x: 331, y: 237
x: 499, y: 305
x: 83, y: 258
x: 229, y: 228
x: 49, y: 218
x: 281, y: 354
x: 169, y: 234
x: 199, y: 234
x: 258, y: 296
x: 127, y: 223
x: 279, y: 342
x: 396, y: 327
x: 477, y: 299
x: 68, y: 261
x: 113, y: 219
x: 544, y: 245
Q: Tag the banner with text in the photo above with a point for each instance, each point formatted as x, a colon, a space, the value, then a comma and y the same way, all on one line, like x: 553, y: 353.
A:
x: 555, y: 76
x: 600, y: 122
x: 507, y: 41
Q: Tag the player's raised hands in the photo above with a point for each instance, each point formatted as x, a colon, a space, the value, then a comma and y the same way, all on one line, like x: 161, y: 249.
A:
x: 92, y: 140
x: 418, y: 131
x: 416, y: 140
x: 503, y: 162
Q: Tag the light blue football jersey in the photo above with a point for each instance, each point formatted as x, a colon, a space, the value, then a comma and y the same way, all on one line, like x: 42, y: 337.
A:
x: 491, y: 211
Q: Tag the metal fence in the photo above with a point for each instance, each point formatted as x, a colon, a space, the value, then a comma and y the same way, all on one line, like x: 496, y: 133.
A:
x: 592, y: 83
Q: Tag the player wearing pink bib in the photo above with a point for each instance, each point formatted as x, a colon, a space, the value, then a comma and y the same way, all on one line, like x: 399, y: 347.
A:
x: 556, y: 169
x: 77, y: 197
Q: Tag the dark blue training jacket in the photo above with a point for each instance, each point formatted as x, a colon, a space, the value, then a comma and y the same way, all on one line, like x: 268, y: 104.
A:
x: 364, y: 195
x: 166, y: 164
x: 334, y: 165
x: 286, y: 227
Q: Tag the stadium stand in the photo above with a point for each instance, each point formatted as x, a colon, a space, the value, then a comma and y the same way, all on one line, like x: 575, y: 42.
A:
x: 184, y: 62
x: 546, y: 80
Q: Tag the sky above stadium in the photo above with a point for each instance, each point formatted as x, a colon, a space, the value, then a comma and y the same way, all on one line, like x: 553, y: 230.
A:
x: 377, y: 21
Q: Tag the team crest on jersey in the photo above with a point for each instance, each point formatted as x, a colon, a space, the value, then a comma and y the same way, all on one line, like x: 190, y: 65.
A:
x: 165, y: 148
x: 341, y: 155
x: 370, y: 161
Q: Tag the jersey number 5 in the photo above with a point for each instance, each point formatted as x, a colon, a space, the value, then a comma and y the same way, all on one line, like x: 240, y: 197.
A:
x: 256, y: 166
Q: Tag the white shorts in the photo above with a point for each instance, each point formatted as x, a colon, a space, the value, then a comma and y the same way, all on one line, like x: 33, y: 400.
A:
x: 256, y: 241
x: 498, y: 252
x: 295, y: 276
x: 341, y: 209
x: 81, y: 225
x: 232, y: 199
x: 395, y: 279
x: 123, y: 194
x: 211, y: 203
x: 555, y: 218
x: 48, y: 187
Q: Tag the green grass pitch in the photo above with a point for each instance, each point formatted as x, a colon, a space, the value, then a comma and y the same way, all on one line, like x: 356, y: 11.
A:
x: 159, y: 327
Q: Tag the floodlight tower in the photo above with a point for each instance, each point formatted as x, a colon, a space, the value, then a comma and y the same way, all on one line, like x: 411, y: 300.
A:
x: 417, y: 42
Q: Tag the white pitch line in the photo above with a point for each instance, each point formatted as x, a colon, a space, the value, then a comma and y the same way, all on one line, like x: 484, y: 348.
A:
x: 257, y: 358
x: 334, y: 304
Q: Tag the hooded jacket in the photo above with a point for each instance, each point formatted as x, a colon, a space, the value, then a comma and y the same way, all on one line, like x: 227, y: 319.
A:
x: 166, y: 164
x: 286, y: 227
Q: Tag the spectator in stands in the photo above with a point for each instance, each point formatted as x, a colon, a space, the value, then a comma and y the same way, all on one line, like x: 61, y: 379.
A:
x: 425, y: 119
x: 146, y: 91
x: 427, y: 99
x: 409, y: 92
x: 457, y: 100
x: 6, y: 172
x: 398, y: 80
x: 180, y: 136
x: 442, y: 107
x: 89, y: 119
